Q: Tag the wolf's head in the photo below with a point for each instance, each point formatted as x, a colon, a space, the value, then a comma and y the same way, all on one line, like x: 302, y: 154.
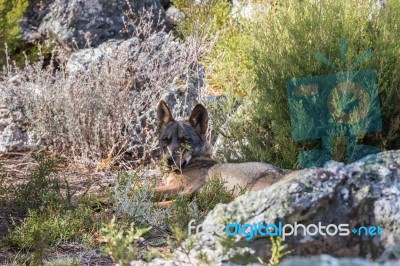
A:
x: 182, y: 141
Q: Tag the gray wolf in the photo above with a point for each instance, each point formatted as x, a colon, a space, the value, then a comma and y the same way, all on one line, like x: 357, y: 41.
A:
x: 189, y: 156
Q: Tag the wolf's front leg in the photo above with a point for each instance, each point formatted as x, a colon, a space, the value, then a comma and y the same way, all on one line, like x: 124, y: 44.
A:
x: 164, y: 204
x: 163, y: 192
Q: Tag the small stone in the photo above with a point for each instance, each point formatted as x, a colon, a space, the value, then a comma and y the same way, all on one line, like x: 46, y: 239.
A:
x: 174, y: 15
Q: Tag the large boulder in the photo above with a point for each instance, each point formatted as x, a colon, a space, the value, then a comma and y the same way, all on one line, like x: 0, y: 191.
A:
x: 364, y: 193
x: 131, y: 51
x: 322, y: 260
x: 325, y: 260
x: 79, y: 23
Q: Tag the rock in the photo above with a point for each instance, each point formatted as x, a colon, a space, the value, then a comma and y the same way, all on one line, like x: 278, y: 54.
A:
x: 325, y: 260
x: 210, y: 99
x: 364, y: 193
x: 131, y: 50
x: 185, y: 92
x: 174, y: 15
x: 242, y: 10
x: 82, y: 59
x: 74, y: 22
x: 32, y: 19
x: 13, y: 136
x: 249, y: 9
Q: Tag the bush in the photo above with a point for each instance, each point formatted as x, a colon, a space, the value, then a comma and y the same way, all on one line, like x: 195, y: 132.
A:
x: 203, y: 19
x: 188, y: 207
x: 43, y: 215
x: 41, y: 230
x: 11, y: 13
x: 46, y: 228
x: 133, y: 198
x: 134, y: 201
x: 94, y: 114
x: 42, y: 189
x: 231, y: 42
x: 122, y: 243
x: 283, y: 45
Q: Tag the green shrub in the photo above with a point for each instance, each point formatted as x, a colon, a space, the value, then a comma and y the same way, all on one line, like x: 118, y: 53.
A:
x: 229, y: 58
x: 133, y: 198
x: 42, y: 229
x: 11, y: 13
x: 42, y: 189
x: 278, y: 250
x: 282, y: 45
x: 188, y: 207
x: 214, y: 193
x: 121, y: 242
x: 183, y: 209
x: 50, y: 216
x: 203, y: 19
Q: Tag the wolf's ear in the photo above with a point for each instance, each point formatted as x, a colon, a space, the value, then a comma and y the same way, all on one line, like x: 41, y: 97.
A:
x: 199, y: 120
x: 164, y: 115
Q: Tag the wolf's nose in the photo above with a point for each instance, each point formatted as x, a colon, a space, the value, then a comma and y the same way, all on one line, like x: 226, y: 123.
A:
x: 170, y: 161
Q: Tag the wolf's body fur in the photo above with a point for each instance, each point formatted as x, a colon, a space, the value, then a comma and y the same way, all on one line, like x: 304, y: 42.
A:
x: 184, y: 143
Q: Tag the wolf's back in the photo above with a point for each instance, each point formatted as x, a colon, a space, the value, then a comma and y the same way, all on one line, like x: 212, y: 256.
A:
x: 253, y: 175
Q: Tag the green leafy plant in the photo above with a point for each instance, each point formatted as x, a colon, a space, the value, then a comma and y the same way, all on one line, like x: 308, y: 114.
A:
x: 11, y: 13
x: 215, y: 192
x: 12, y: 47
x: 282, y: 45
x: 278, y: 250
x: 42, y: 189
x: 188, y: 207
x: 42, y: 229
x: 203, y: 19
x: 51, y: 228
x: 183, y: 209
x: 133, y: 198
x: 51, y: 217
x: 122, y: 243
x: 176, y: 166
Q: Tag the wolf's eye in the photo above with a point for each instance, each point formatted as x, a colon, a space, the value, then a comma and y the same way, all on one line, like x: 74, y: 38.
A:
x: 165, y: 140
x: 184, y: 140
